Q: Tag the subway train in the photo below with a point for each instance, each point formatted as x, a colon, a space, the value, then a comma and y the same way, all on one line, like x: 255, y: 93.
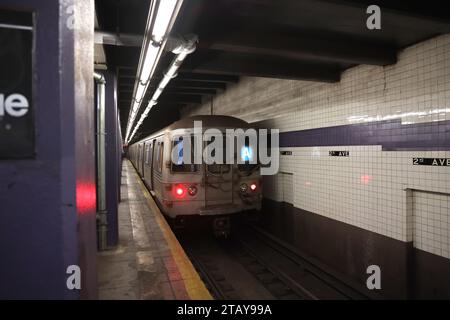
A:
x: 211, y: 190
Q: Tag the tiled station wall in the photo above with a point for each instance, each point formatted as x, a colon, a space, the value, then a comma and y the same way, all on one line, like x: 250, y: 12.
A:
x: 384, y: 117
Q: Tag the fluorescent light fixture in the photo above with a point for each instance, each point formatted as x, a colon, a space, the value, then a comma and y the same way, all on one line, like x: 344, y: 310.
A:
x: 144, y: 115
x: 150, y: 60
x: 135, y: 107
x: 164, y: 15
x: 140, y: 92
x: 169, y: 75
x: 161, y: 16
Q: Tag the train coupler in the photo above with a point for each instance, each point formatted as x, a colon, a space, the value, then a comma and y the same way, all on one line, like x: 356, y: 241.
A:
x: 222, y: 227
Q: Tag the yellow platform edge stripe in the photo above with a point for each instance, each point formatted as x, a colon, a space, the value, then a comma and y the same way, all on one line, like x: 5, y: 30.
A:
x: 194, y: 285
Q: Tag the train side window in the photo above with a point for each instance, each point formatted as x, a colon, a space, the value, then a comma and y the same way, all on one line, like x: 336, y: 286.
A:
x: 180, y: 166
x: 158, y: 145
x: 160, y: 153
x: 149, y: 152
x: 146, y: 153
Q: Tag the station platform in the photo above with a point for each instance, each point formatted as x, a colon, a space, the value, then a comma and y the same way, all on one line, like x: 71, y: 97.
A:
x: 149, y: 262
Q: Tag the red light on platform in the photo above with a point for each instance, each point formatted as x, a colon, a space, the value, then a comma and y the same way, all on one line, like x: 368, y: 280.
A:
x: 86, y: 197
x: 253, y: 187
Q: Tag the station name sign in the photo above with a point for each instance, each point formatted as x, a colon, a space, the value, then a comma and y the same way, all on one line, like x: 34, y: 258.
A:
x: 339, y: 153
x: 17, y: 130
x: 435, y: 162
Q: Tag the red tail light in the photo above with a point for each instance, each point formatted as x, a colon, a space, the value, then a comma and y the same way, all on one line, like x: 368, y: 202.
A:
x: 253, y: 186
x: 179, y: 191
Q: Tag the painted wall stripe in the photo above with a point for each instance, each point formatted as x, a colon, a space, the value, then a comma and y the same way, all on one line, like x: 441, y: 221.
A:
x: 391, y: 134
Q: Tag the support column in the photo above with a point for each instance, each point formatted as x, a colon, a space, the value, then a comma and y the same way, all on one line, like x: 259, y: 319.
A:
x: 112, y: 163
x: 47, y: 212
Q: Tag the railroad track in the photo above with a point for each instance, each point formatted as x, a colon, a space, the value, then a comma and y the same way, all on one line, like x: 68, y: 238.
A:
x: 280, y: 285
x: 273, y: 265
x: 316, y: 280
x: 214, y: 281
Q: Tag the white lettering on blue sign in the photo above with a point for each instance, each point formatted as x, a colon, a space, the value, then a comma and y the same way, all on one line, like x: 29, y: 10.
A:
x: 15, y: 105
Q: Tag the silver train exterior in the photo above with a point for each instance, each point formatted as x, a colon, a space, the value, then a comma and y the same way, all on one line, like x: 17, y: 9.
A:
x: 201, y: 190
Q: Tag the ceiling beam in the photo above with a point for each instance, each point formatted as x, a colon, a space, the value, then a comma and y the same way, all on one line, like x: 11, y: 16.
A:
x: 208, y: 77
x: 125, y: 89
x: 248, y: 65
x: 188, y: 84
x: 347, y: 15
x: 180, y: 98
x: 128, y: 79
x: 125, y: 95
x: 117, y: 39
x: 190, y: 91
x: 430, y: 10
x: 317, y: 47
x: 126, y: 86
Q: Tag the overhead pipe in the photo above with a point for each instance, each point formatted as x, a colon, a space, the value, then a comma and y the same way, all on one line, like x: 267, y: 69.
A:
x: 117, y: 39
x: 102, y: 218
x: 182, y: 48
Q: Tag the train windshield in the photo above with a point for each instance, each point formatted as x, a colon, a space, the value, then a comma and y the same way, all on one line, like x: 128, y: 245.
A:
x: 180, y: 166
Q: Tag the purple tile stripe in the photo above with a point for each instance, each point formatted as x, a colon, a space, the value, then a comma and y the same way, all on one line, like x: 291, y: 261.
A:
x: 391, y: 135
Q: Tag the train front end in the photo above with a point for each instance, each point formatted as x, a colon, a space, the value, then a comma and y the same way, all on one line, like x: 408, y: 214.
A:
x: 214, y: 190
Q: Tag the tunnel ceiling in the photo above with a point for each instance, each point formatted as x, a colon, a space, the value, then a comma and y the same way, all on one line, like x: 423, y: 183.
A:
x: 290, y: 39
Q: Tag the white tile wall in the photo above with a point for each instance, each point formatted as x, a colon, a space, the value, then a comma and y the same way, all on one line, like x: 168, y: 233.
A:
x: 280, y: 187
x: 369, y: 188
x: 431, y: 221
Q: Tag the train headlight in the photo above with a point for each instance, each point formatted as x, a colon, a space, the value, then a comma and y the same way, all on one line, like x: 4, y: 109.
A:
x: 253, y: 186
x: 243, y: 187
x: 192, y: 190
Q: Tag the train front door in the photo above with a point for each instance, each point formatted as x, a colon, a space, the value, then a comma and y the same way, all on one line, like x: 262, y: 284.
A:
x: 218, y: 181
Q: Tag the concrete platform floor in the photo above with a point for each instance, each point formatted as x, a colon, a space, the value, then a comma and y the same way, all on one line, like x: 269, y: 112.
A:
x: 148, y: 263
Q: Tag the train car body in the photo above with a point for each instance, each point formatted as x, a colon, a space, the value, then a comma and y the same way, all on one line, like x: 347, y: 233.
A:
x: 196, y: 189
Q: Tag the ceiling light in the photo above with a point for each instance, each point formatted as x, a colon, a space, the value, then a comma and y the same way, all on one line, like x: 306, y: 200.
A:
x: 149, y: 63
x: 158, y: 27
x: 185, y: 49
x: 140, y: 92
x: 164, y: 15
